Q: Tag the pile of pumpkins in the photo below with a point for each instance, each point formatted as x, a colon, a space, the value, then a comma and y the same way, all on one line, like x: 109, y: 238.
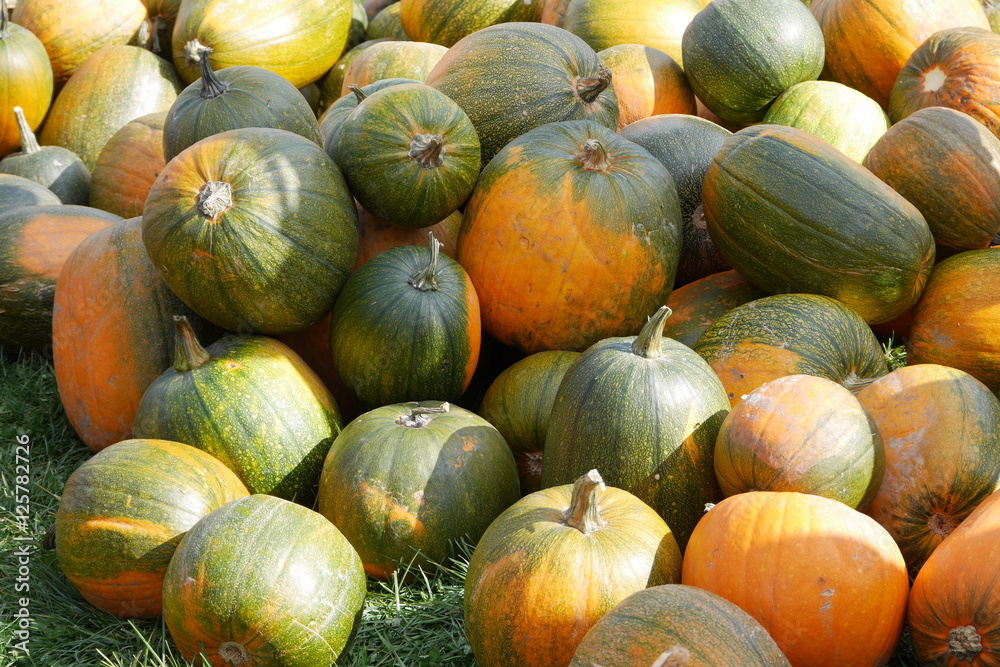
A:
x: 649, y: 248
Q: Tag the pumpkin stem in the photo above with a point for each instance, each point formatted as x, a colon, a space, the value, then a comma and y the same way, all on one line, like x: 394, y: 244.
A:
x: 214, y: 199
x: 188, y: 352
x: 358, y: 93
x: 582, y: 512
x: 648, y: 343
x: 29, y: 144
x: 425, y: 279
x: 589, y: 87
x: 211, y: 85
x: 593, y: 157
x: 675, y: 656
x: 427, y: 150
x: 192, y: 52
x: 941, y: 524
x: 964, y: 643
x: 158, y: 25
x: 420, y: 417
x: 855, y: 383
x: 142, y: 37
x: 4, y: 30
x: 234, y: 654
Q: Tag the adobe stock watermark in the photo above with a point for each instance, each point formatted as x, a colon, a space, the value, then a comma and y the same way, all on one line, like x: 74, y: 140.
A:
x: 22, y: 542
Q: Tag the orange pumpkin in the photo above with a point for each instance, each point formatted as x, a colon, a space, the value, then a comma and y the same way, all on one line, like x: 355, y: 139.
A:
x: 697, y: 305
x: 25, y: 80
x: 378, y: 235
x: 647, y: 82
x: 128, y: 165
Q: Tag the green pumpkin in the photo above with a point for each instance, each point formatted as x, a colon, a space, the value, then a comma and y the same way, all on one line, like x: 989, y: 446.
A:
x: 58, y: 169
x: 645, y: 410
x: 250, y: 402
x: 333, y: 119
x: 331, y: 88
x: 386, y: 24
x: 18, y: 191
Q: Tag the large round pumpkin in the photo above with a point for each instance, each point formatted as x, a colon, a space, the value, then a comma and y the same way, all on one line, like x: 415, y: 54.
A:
x: 124, y: 511
x: 128, y: 166
x: 25, y: 80
x: 696, y: 306
x: 333, y: 118
x: 55, y: 167
x: 446, y: 21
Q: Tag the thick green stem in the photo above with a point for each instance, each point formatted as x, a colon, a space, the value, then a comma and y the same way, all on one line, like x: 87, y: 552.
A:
x: 211, y: 85
x: 425, y: 279
x: 593, y: 156
x: 420, y: 417
x: 29, y: 143
x: 648, y: 343
x: 188, y: 352
x: 358, y: 93
x: 427, y: 150
x: 583, y: 513
x: 588, y: 88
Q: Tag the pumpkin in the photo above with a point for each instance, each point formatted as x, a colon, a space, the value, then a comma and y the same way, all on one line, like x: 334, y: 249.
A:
x: 253, y: 228
x: 409, y: 154
x: 17, y: 192
x: 124, y: 511
x: 295, y: 602
x: 376, y: 236
x: 952, y: 608
x: 332, y: 85
x: 686, y: 146
x: 392, y: 59
x: 793, y: 214
x: 790, y: 334
x: 25, y: 80
x: 408, y: 298
x: 519, y: 403
x: 373, y: 7
x: 677, y: 625
x: 112, y: 332
x: 359, y: 26
x: 553, y: 11
x: 161, y: 16
x: 955, y: 322
x: 250, y: 402
x: 826, y: 582
x: 117, y: 84
x: 402, y: 481
x: 696, y: 306
x: 128, y: 166
x: 387, y: 24
x: 58, y: 169
x: 941, y: 429
x: 234, y: 98
x: 272, y: 36
x: 333, y: 119
x: 646, y: 410
x: 34, y: 243
x: 801, y: 433
x: 554, y: 563
x: 446, y: 21
x: 647, y: 82
x: 575, y: 200
x: 513, y: 77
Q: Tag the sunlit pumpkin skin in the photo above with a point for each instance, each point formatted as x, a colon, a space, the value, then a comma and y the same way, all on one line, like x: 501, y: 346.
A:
x: 34, y: 243
x: 697, y: 305
x: 388, y: 25
x: 692, y: 627
x: 114, y: 86
x: 274, y: 436
x: 575, y: 200
x: 296, y: 603
x: 790, y: 334
x: 74, y: 30
x: 955, y: 322
x: 333, y: 119
x: 506, y: 94
x: 827, y: 583
x: 376, y: 236
x: 56, y: 168
x: 18, y: 192
x: 955, y: 68
x: 647, y: 82
x: 869, y: 41
x: 519, y: 403
x: 254, y: 229
x: 414, y: 299
x: 445, y: 22
x: 128, y: 166
x: 686, y: 145
x: 553, y: 12
x: 793, y: 214
x: 952, y: 609
x: 25, y: 80
x: 554, y: 563
x: 161, y: 16
x: 393, y: 59
x: 801, y: 433
x: 941, y: 429
x: 403, y: 480
x: 273, y: 36
x: 659, y: 24
x: 331, y: 87
x: 843, y: 117
x: 646, y: 410
x: 112, y: 332
x: 124, y: 511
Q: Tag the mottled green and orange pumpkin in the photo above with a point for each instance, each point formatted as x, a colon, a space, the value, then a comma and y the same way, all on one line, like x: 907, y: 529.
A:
x: 390, y: 60
x: 128, y: 166
x: 697, y: 305
x: 332, y: 85
x: 445, y: 21
x: 25, y: 79
x: 58, y: 169
x: 647, y: 83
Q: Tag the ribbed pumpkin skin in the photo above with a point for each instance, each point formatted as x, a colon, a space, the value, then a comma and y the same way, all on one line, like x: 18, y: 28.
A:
x: 273, y: 36
x: 393, y: 59
x: 393, y: 489
x: 255, y: 406
x: 511, y: 78
x: 128, y: 165
x: 826, y: 582
x: 790, y: 334
x: 694, y: 627
x: 274, y: 261
x: 387, y: 24
x: 18, y: 192
x: 941, y: 429
x: 112, y: 332
x: 611, y: 234
x: 955, y: 322
x: 697, y: 305
x: 957, y: 592
x: 266, y: 582
x: 536, y: 584
x: 647, y: 82
x: 869, y: 41
x: 73, y: 30
x: 331, y: 87
x: 793, y: 214
x: 392, y: 342
x: 122, y: 514
x: 25, y: 81
x: 34, y: 244
x: 801, y: 433
x: 843, y: 117
x: 333, y: 119
x: 114, y: 86
x: 445, y: 21
x: 519, y: 403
